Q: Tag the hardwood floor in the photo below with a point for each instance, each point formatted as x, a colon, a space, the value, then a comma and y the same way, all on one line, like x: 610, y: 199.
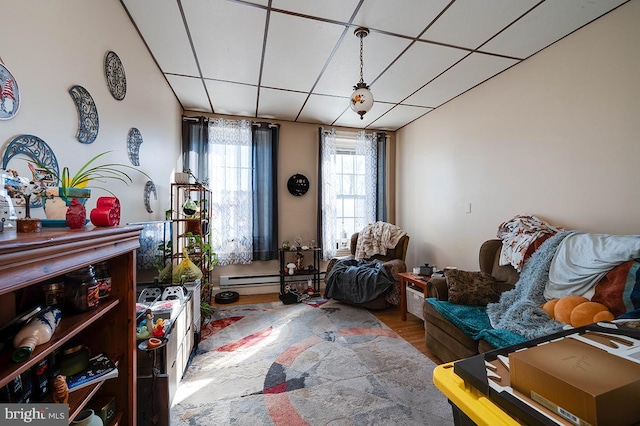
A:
x: 411, y: 330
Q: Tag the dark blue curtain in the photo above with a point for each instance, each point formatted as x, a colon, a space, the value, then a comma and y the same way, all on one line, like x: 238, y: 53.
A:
x: 265, y: 194
x: 381, y: 196
x: 195, y: 147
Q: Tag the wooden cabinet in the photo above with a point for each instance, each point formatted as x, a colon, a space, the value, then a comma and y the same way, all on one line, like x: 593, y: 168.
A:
x: 28, y: 260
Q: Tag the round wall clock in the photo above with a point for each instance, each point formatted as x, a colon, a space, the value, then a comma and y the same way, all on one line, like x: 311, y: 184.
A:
x: 298, y: 184
x: 114, y: 73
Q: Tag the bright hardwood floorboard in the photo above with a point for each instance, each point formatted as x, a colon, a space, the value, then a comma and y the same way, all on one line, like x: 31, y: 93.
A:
x: 411, y: 330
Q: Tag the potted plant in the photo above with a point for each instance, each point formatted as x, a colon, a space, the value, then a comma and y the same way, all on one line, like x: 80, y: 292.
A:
x: 79, y: 185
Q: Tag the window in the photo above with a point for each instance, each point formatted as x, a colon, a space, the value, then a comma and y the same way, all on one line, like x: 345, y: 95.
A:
x: 352, y: 175
x: 238, y: 160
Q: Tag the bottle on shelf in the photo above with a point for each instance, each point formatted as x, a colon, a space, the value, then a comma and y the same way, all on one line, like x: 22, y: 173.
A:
x: 36, y: 332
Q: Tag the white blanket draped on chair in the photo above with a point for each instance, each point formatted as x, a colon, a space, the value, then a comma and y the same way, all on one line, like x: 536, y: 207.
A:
x: 376, y: 238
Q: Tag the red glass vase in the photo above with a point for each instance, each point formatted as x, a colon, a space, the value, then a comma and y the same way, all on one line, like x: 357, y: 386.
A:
x: 76, y: 215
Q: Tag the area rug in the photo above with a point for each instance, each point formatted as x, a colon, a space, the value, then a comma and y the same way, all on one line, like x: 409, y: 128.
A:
x: 316, y: 363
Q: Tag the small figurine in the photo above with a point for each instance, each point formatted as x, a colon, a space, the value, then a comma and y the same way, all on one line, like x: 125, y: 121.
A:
x: 158, y: 328
x: 60, y: 390
x: 300, y: 261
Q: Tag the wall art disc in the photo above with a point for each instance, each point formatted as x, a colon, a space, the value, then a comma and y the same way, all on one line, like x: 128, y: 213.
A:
x: 114, y: 73
x: 134, y: 140
x: 87, y: 115
x: 149, y: 187
x: 34, y: 148
x: 9, y: 94
x: 298, y: 185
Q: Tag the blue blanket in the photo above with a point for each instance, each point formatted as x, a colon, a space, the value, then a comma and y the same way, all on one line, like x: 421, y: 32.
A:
x: 357, y: 280
x: 474, y: 322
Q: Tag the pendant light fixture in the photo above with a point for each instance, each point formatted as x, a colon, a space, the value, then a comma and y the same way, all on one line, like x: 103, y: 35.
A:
x: 361, y: 98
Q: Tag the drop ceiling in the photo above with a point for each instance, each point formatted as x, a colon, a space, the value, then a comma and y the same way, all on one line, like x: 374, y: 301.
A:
x: 298, y: 60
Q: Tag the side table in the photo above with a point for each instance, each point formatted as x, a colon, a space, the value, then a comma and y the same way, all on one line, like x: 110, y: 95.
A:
x: 415, y: 279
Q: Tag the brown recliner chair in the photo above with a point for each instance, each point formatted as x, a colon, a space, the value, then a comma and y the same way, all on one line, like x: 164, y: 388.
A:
x: 443, y: 338
x: 393, y: 261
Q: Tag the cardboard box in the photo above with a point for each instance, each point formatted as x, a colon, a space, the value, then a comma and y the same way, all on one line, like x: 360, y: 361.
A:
x: 580, y: 382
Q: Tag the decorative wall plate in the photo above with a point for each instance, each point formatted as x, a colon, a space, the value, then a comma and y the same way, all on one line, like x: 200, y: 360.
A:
x: 134, y: 139
x: 9, y: 94
x: 87, y: 114
x: 298, y: 184
x: 34, y: 148
x: 149, y: 187
x: 114, y: 73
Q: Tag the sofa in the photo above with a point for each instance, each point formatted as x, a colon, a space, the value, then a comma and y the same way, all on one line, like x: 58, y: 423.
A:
x: 445, y: 340
x: 393, y: 262
x: 457, y: 325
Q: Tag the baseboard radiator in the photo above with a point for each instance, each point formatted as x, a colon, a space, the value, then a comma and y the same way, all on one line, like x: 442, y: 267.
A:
x: 230, y: 281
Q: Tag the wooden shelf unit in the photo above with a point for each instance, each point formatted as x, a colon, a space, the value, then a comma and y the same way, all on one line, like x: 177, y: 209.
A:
x: 28, y: 260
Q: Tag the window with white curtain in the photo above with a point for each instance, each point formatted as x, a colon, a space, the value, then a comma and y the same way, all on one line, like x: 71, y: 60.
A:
x: 230, y: 168
x: 349, y: 167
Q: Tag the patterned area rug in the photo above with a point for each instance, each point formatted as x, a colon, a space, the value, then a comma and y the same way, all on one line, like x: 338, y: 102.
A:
x: 316, y: 363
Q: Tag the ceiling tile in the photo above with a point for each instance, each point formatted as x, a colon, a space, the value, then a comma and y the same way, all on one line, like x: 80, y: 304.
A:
x: 323, y: 109
x: 406, y: 17
x: 469, y: 23
x: 399, y: 116
x: 160, y: 23
x: 232, y: 98
x: 352, y: 119
x: 337, y: 10
x: 280, y: 104
x: 466, y: 74
x: 545, y: 24
x: 343, y: 72
x: 228, y: 48
x: 297, y: 50
x: 190, y: 93
x: 420, y: 64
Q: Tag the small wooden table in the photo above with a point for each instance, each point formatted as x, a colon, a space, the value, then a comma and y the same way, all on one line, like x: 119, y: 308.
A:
x: 418, y: 281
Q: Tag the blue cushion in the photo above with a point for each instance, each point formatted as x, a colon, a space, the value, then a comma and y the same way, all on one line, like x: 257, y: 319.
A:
x: 474, y: 322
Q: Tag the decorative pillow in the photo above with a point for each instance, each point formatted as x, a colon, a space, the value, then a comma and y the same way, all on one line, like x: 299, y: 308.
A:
x: 471, y: 288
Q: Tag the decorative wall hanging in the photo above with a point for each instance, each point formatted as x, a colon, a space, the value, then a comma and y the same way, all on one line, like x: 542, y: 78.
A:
x: 149, y: 187
x: 9, y: 94
x: 298, y: 184
x: 116, y: 78
x: 37, y: 150
x: 87, y: 114
x: 133, y: 146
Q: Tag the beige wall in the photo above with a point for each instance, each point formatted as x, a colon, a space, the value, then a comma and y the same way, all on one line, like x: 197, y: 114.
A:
x: 555, y: 136
x: 52, y: 45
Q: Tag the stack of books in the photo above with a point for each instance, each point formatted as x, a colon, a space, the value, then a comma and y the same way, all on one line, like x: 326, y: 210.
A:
x: 100, y: 368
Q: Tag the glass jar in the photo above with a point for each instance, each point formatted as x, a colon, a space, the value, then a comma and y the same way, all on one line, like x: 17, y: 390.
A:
x: 54, y: 294
x: 104, y: 280
x: 81, y: 289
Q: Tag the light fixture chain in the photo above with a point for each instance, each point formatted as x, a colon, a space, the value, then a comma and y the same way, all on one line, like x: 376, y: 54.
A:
x: 361, y: 59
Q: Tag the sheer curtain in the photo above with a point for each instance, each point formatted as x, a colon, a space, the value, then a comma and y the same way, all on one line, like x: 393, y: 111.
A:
x: 366, y: 149
x: 230, y: 157
x: 327, y: 214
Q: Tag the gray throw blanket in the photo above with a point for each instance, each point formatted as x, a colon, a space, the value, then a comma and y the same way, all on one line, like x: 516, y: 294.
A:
x: 357, y: 281
x: 519, y: 310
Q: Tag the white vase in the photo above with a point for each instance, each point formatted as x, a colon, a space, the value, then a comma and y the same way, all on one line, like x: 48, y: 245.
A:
x: 87, y: 418
x: 55, y: 206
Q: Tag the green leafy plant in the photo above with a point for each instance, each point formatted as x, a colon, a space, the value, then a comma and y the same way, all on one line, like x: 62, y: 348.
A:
x: 90, y: 172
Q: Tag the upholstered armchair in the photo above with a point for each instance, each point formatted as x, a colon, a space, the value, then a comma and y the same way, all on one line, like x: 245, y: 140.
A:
x: 393, y: 262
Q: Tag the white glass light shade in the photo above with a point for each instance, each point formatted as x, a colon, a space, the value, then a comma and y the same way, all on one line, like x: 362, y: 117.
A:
x: 361, y: 100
